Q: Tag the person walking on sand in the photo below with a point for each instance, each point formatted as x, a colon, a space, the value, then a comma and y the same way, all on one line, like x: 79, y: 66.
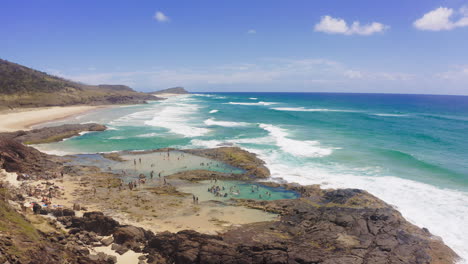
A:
x: 139, y: 159
x: 134, y: 162
x: 165, y: 181
x: 151, y: 174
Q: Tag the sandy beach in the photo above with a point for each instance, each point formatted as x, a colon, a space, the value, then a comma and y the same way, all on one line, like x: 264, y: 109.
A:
x: 24, y: 119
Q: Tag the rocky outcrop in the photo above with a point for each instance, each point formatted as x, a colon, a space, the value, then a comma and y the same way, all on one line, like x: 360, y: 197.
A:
x: 29, y: 162
x: 21, y: 242
x: 96, y: 222
x: 202, y: 175
x: 236, y: 157
x: 331, y: 226
x: 53, y: 134
x: 132, y: 237
x: 324, y: 226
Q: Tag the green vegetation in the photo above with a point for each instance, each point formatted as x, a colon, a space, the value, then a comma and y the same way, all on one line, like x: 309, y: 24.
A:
x: 21, y: 86
x: 23, y: 235
x: 17, y: 79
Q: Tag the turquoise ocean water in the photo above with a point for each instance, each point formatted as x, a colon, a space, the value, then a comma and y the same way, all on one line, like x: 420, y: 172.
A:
x: 409, y: 150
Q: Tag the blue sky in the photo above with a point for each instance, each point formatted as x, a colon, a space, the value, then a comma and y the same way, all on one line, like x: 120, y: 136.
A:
x: 417, y: 46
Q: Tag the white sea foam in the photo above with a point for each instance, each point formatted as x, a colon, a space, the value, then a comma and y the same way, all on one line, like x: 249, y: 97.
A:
x: 176, y: 118
x: 111, y: 127
x: 148, y: 135
x: 118, y: 137
x: 391, y: 115
x: 303, y: 109
x: 46, y: 148
x: 176, y: 114
x: 253, y: 98
x: 212, y: 122
x: 443, y: 211
x: 307, y: 148
x: 237, y: 141
x: 204, y: 95
x: 214, y: 111
x: 258, y: 103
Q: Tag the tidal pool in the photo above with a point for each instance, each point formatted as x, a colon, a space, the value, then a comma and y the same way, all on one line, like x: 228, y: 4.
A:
x: 224, y: 190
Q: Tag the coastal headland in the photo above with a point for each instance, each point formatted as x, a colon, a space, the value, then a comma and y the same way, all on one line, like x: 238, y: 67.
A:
x: 187, y: 206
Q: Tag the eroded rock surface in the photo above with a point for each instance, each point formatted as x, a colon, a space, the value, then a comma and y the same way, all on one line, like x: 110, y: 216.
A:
x: 52, y: 134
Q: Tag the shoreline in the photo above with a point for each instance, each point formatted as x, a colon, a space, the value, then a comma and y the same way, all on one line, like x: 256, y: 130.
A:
x: 349, y: 220
x: 352, y: 221
x: 27, y: 118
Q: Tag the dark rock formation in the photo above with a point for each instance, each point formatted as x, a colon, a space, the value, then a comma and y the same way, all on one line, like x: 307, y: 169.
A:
x: 324, y: 226
x: 16, y: 157
x: 53, y: 134
x: 31, y: 163
x: 21, y: 242
x: 91, y: 221
x: 132, y: 237
x: 329, y: 226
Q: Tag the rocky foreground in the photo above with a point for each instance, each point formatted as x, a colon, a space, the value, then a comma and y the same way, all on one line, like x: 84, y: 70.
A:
x: 322, y: 226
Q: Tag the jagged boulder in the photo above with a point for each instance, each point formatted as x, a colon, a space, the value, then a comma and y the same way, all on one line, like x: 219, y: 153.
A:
x: 131, y: 236
x: 92, y: 221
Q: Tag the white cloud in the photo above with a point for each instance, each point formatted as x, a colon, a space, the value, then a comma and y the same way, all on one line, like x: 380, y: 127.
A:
x: 332, y: 25
x: 377, y: 76
x: 352, y: 74
x: 460, y: 73
x: 161, y: 17
x: 252, y: 31
x: 443, y: 18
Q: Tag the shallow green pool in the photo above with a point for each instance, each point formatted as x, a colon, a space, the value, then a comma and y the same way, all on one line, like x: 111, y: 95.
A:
x: 224, y: 190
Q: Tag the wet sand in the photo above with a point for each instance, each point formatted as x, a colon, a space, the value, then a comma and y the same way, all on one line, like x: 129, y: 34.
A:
x: 24, y: 119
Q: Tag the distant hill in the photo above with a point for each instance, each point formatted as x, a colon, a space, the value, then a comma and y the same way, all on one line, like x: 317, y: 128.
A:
x: 174, y: 90
x: 21, y: 86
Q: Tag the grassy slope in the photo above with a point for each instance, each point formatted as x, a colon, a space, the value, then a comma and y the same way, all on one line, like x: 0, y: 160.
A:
x: 21, y: 86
